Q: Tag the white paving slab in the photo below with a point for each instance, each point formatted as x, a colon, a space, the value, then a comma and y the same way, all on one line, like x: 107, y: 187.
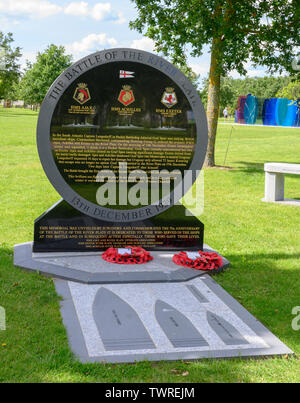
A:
x: 189, y: 306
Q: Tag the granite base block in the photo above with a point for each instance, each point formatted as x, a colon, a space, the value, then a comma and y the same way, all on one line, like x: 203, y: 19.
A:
x: 90, y: 268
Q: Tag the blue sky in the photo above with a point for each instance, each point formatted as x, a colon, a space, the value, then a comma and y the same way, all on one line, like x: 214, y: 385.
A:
x: 82, y: 27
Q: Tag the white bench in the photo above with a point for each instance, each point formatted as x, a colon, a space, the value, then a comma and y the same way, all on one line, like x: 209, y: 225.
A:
x: 274, y: 185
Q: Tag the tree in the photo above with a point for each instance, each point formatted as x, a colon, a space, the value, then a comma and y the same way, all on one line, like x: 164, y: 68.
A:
x: 9, y: 66
x: 228, y: 94
x: 291, y: 91
x: 39, y: 76
x: 263, y: 31
x: 231, y: 89
x: 192, y: 76
x: 261, y: 87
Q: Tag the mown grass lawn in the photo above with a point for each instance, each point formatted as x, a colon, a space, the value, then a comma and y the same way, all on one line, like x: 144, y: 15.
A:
x: 261, y: 240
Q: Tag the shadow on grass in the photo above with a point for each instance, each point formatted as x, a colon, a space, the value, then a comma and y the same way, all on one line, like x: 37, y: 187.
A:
x: 258, y: 167
x: 264, y: 256
x: 250, y: 167
x: 224, y: 167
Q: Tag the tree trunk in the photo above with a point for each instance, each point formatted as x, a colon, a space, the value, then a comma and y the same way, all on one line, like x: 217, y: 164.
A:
x: 213, y: 103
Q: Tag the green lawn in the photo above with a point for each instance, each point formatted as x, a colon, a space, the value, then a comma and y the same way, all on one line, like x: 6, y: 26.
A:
x: 260, y: 239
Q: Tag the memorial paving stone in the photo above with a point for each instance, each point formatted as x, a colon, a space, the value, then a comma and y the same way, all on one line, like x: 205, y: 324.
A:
x: 172, y: 322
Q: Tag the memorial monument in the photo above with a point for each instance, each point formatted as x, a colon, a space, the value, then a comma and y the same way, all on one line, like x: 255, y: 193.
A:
x: 122, y: 136
x: 125, y: 118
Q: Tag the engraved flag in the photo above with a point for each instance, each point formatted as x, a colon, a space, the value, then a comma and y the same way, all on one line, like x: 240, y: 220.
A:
x: 126, y: 74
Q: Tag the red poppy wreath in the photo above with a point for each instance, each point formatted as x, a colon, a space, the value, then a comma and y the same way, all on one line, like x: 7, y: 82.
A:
x: 199, y: 260
x: 127, y: 255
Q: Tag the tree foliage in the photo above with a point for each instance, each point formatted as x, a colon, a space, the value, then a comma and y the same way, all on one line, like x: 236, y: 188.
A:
x: 291, y: 91
x: 192, y: 76
x: 39, y: 76
x: 9, y: 65
x: 265, y: 32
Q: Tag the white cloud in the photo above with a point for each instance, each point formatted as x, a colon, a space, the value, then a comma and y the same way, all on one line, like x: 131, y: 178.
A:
x: 98, y: 12
x: 89, y: 43
x: 77, y: 9
x: 146, y: 44
x: 201, y: 68
x: 121, y: 19
x: 256, y: 73
x: 7, y: 24
x: 251, y: 71
x: 29, y: 8
x: 27, y: 56
x: 46, y: 8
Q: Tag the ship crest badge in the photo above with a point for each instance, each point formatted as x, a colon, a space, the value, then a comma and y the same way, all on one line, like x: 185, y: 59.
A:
x: 169, y: 97
x: 126, y: 96
x: 82, y: 94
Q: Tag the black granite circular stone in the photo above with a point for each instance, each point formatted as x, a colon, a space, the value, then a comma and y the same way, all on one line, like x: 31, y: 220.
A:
x: 118, y: 113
